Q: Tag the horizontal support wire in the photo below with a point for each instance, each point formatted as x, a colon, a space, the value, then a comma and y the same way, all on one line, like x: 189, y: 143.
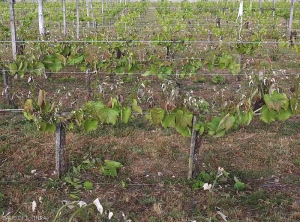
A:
x: 151, y: 41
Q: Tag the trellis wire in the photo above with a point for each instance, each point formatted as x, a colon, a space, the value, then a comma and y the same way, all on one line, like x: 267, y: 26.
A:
x: 152, y: 41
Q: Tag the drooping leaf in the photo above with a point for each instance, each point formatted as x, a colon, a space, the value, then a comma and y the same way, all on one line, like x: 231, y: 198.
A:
x: 184, y: 131
x: 169, y: 120
x: 135, y: 107
x: 55, y: 67
x: 226, y: 122
x: 267, y: 115
x: 39, y: 68
x: 108, y: 115
x: 295, y: 105
x: 183, y: 118
x: 284, y: 114
x: 28, y: 116
x: 75, y: 59
x: 276, y: 101
x: 50, y: 128
x: 28, y: 105
x: 157, y: 115
x: 220, y: 133
x: 42, y: 98
x: 13, y: 68
x: 125, y: 114
x: 200, y: 127
x: 90, y: 125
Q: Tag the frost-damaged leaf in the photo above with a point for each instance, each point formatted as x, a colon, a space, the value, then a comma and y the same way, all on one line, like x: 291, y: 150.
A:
x: 276, y: 101
x: 157, y: 115
x: 42, y: 98
x: 135, y: 107
x: 90, y: 125
x: 98, y: 205
x: 125, y: 114
x: 28, y: 109
x: 222, y: 215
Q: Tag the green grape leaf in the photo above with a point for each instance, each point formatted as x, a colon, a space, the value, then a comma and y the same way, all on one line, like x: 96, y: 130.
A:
x: 50, y: 128
x: 88, y: 185
x: 125, y: 114
x: 110, y: 168
x: 220, y: 133
x: 238, y: 184
x: 169, y: 121
x: 284, y: 114
x: 183, y: 118
x: 108, y: 115
x: 39, y: 68
x: 226, y: 122
x: 184, y: 131
x: 200, y: 127
x: 13, y: 68
x: 59, y: 58
x: 28, y: 116
x: 295, y: 105
x: 267, y: 115
x: 157, y: 115
x: 42, y: 126
x: 147, y: 73
x: 55, y: 67
x: 90, y: 125
x: 75, y: 59
x: 135, y: 107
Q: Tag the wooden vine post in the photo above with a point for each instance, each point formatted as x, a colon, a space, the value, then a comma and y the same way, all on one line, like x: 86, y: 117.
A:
x: 41, y: 18
x: 290, y: 27
x: 77, y: 19
x: 6, y: 78
x: 61, y: 165
x: 7, y: 87
x: 194, y: 164
x: 13, y: 29
x: 64, y: 17
x: 87, y: 4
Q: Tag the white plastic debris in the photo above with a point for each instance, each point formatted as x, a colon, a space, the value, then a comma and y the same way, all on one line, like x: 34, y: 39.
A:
x: 98, y: 205
x: 34, y: 205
